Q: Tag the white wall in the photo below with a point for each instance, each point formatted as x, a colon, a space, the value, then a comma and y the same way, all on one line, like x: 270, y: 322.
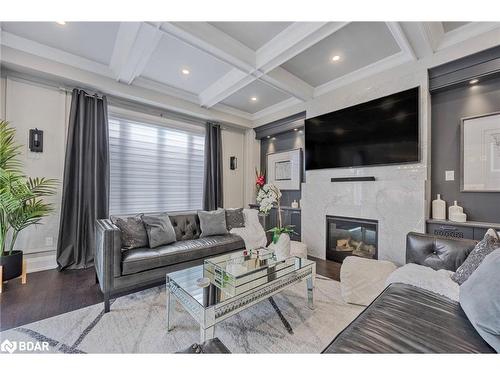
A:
x: 2, y: 98
x: 233, y: 144
x: 30, y: 106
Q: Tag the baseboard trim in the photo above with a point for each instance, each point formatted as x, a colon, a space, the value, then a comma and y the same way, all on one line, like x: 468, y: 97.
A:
x: 40, y: 262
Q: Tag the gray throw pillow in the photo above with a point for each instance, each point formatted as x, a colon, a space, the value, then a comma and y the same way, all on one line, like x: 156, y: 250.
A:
x: 480, y: 299
x: 133, y: 233
x: 212, y: 223
x: 234, y: 218
x: 160, y: 230
x: 489, y: 243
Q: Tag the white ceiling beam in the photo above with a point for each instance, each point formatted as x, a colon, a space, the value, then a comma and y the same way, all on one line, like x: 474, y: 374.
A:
x: 401, y: 39
x: 134, y: 46
x: 466, y: 32
x: 435, y: 33
x: 293, y: 40
x: 418, y: 38
x: 224, y: 87
x: 285, y: 81
x: 213, y: 41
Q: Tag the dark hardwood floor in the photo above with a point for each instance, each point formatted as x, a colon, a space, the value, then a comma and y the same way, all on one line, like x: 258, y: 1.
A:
x: 50, y: 293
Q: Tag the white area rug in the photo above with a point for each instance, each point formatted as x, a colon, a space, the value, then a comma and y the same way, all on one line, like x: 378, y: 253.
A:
x: 137, y: 324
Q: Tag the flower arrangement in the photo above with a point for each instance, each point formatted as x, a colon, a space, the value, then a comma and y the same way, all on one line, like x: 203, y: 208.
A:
x: 267, y: 197
x: 260, y: 179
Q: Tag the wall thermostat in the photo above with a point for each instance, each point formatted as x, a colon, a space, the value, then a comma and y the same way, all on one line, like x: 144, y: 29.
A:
x: 36, y: 140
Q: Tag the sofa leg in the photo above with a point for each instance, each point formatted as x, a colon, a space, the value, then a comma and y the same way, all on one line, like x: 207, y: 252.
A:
x: 106, y: 302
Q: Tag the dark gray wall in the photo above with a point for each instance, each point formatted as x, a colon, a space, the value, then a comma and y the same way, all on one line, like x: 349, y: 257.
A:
x: 283, y: 142
x: 448, y: 107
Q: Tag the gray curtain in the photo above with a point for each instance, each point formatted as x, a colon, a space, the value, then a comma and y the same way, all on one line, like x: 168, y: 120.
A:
x: 212, y: 186
x: 86, y: 180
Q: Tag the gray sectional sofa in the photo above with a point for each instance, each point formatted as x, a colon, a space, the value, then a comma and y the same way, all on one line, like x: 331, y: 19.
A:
x: 407, y: 319
x: 119, y: 271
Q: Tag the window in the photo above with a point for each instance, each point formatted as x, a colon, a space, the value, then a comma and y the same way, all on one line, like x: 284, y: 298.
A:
x: 154, y: 167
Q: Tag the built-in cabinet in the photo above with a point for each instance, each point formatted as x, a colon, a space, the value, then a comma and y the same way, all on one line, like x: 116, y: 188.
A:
x: 473, y: 230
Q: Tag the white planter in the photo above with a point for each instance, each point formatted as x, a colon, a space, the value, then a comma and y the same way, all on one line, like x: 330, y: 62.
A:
x: 282, y: 247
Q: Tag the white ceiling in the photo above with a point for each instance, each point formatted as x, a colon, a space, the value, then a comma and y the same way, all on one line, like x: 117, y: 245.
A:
x: 358, y: 44
x: 450, y: 26
x: 265, y: 94
x: 173, y: 55
x: 279, y: 63
x: 252, y: 34
x: 92, y: 40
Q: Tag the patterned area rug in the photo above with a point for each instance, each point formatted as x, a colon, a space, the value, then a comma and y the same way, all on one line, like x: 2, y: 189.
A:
x: 136, y: 324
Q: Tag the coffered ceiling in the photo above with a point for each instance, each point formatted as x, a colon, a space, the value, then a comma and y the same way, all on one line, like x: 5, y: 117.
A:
x: 247, y: 69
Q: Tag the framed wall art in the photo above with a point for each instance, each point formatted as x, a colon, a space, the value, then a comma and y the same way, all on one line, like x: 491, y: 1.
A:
x: 480, y: 153
x: 284, y: 169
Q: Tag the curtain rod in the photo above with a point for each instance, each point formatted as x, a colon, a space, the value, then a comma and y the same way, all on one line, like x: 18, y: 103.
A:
x: 118, y: 101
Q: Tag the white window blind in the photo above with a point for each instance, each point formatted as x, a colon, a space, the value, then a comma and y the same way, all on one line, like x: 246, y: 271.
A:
x: 154, y: 167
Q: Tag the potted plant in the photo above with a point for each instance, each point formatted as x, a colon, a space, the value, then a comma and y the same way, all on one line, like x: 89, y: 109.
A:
x: 21, y: 202
x: 268, y: 196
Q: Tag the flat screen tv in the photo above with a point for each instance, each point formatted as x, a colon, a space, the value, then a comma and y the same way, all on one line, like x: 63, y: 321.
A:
x: 379, y: 132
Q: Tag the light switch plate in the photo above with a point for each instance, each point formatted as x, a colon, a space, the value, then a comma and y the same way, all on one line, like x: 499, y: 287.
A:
x: 449, y: 175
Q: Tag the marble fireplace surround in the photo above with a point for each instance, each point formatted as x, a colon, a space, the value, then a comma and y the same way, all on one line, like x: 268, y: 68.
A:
x: 397, y: 199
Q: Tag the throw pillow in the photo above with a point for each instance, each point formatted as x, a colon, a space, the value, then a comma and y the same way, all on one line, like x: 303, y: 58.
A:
x: 235, y: 218
x: 160, y: 230
x: 489, y: 243
x: 480, y: 299
x: 133, y: 233
x: 212, y: 223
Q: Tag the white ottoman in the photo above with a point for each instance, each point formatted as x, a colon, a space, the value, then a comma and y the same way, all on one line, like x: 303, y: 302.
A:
x: 362, y: 279
x: 298, y: 249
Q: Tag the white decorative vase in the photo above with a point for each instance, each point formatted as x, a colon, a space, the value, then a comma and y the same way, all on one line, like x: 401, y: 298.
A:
x: 281, y: 247
x: 456, y: 213
x: 439, y: 208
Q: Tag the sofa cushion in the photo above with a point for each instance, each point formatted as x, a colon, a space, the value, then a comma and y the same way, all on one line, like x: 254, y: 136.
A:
x: 133, y: 234
x: 186, y: 226
x: 234, y: 218
x: 489, y: 243
x: 160, y: 230
x: 480, y: 299
x: 143, y: 259
x: 212, y: 223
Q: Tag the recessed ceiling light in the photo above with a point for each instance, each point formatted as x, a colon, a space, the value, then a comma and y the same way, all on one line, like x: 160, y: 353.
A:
x: 185, y: 71
x: 474, y: 81
x: 273, y: 138
x: 268, y: 137
x: 295, y: 129
x: 62, y: 23
x: 336, y: 58
x: 253, y: 98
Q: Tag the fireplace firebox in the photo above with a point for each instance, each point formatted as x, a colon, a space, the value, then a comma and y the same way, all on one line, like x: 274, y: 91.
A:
x: 346, y: 236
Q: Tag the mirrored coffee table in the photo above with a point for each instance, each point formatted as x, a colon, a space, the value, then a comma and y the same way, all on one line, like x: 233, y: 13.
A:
x: 237, y: 280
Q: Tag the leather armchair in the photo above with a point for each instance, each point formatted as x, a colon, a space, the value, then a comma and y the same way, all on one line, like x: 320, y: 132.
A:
x: 437, y: 252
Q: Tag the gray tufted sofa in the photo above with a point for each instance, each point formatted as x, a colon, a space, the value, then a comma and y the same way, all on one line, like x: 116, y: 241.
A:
x: 120, y: 271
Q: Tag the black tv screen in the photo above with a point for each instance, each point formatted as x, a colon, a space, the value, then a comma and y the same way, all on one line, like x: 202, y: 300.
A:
x: 378, y: 132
